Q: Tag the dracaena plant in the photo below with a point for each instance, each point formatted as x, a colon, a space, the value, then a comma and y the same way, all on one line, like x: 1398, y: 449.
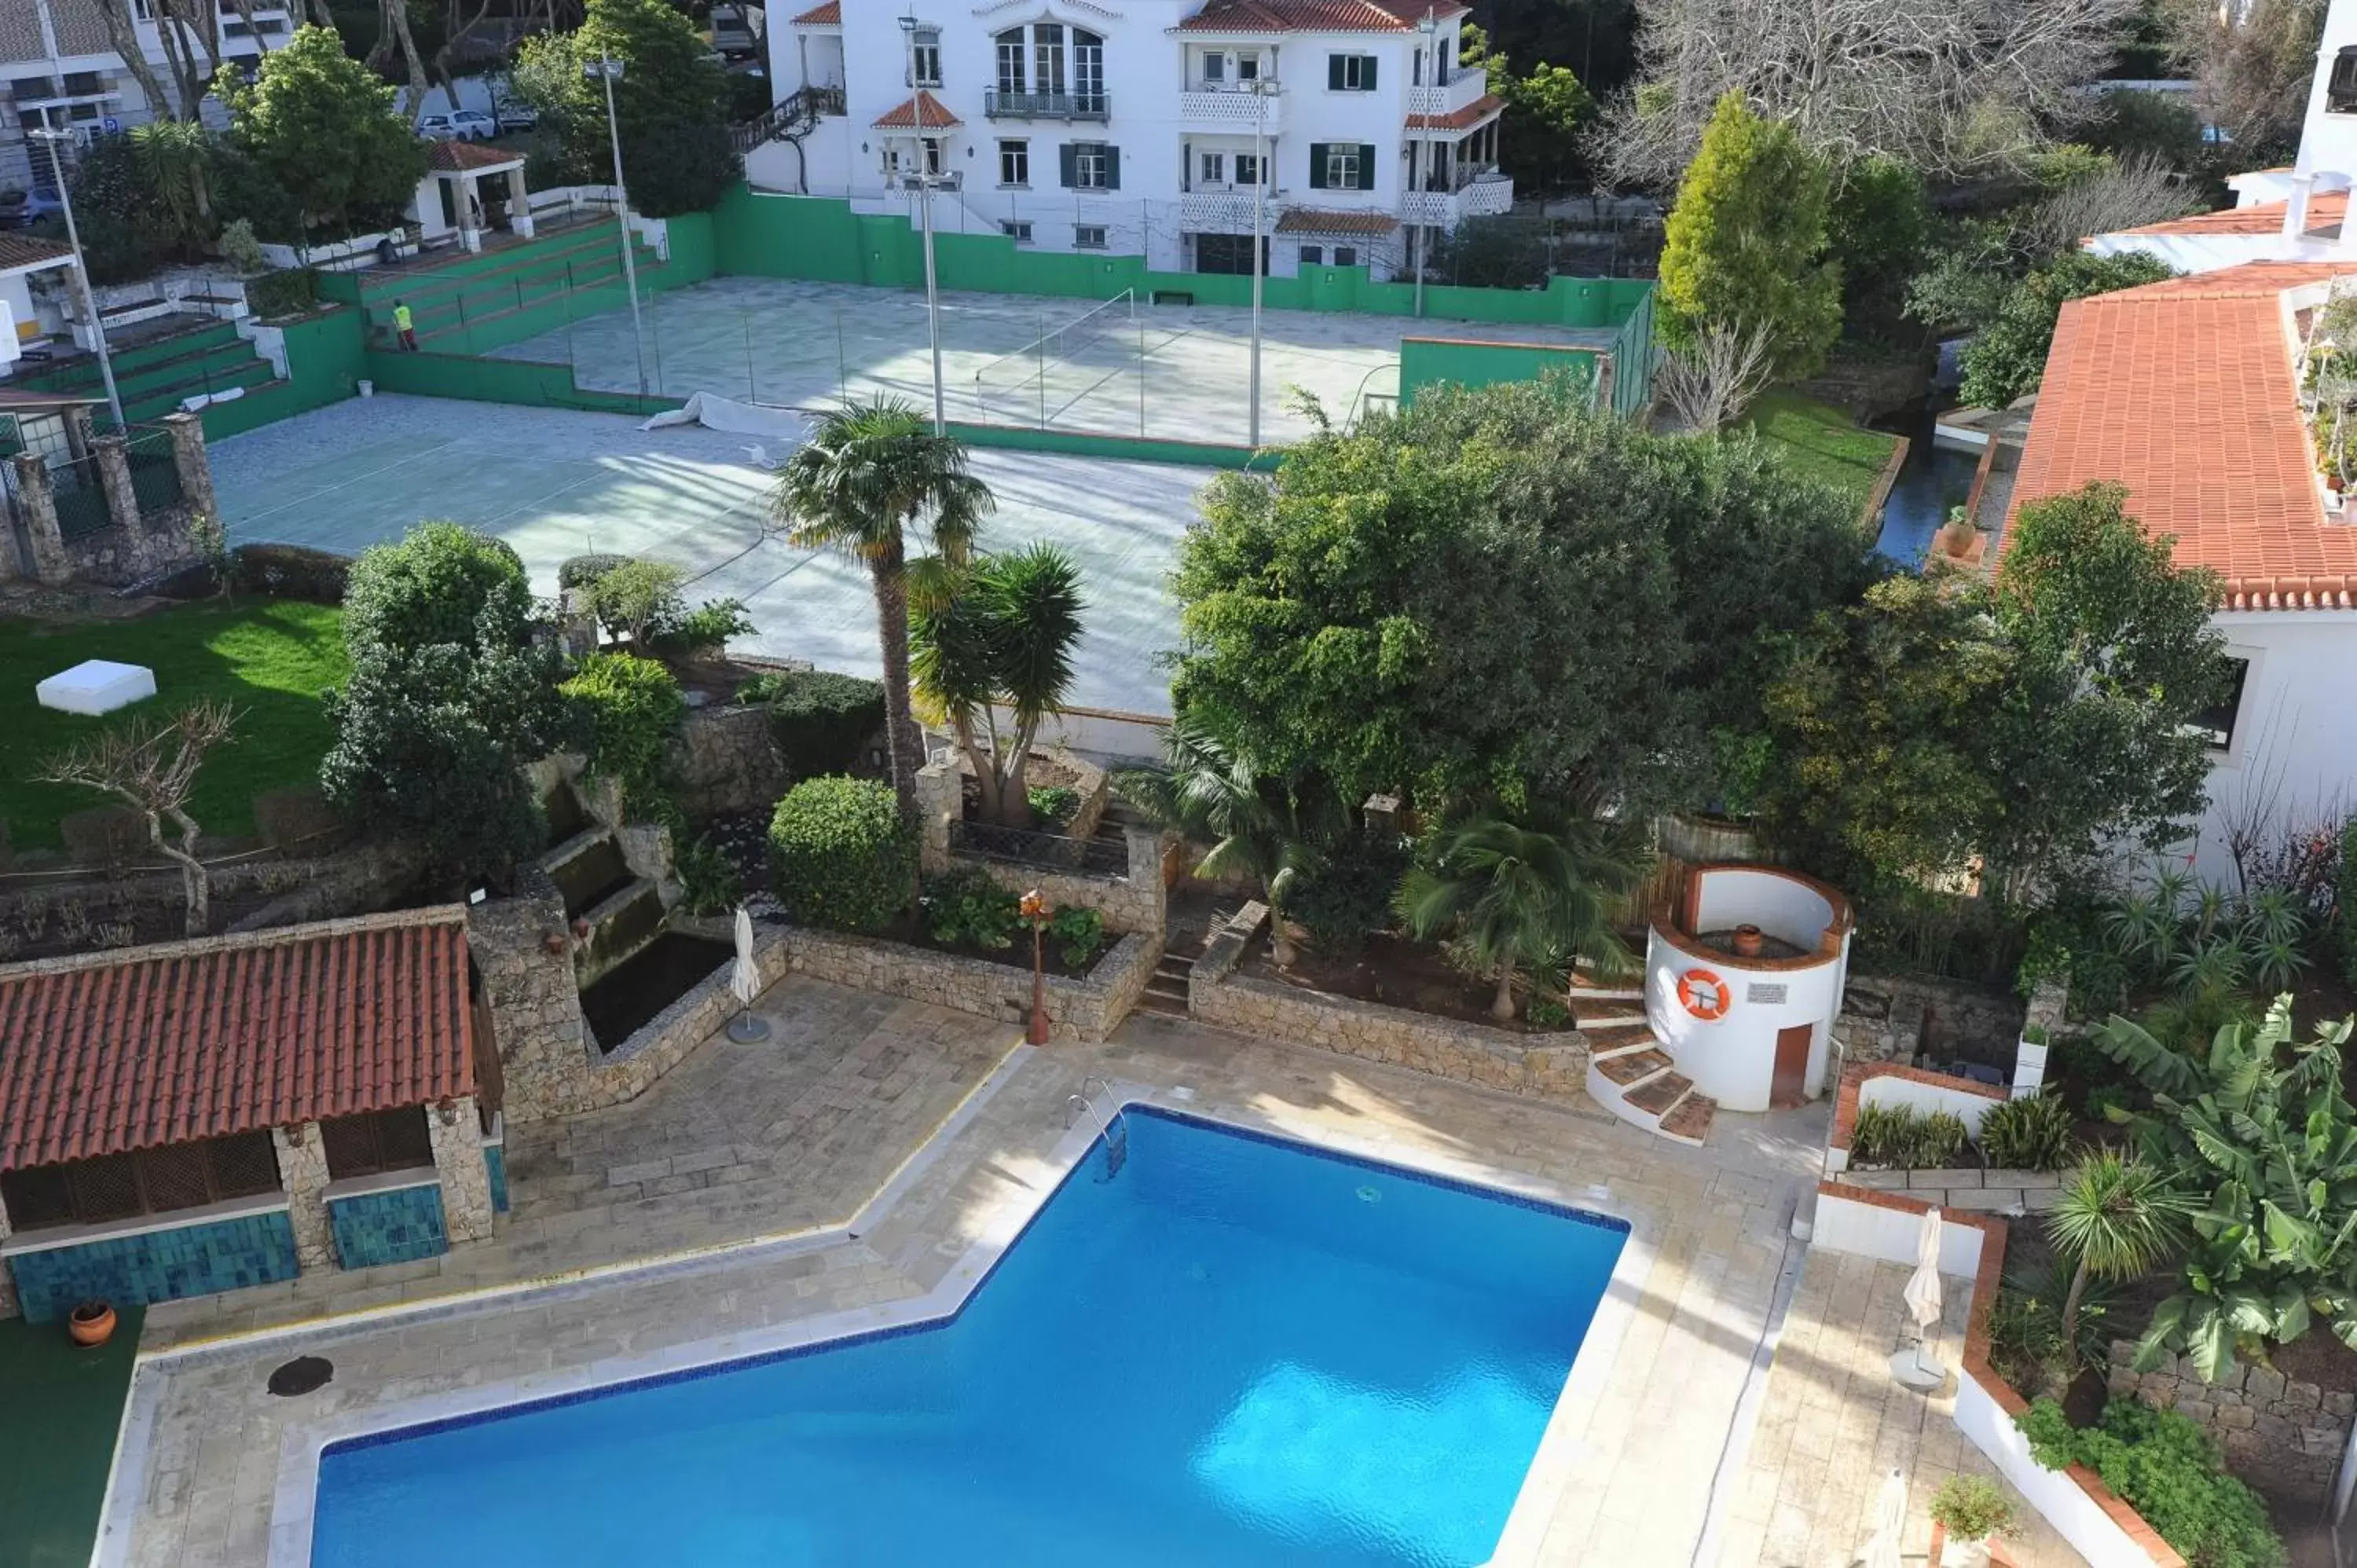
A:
x: 2258, y: 1127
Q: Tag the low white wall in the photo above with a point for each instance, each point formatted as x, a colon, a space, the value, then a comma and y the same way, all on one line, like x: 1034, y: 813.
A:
x: 1100, y: 731
x: 2057, y: 1496
x: 1888, y: 1235
x: 1732, y: 1058
x: 1923, y: 1099
x: 1727, y: 897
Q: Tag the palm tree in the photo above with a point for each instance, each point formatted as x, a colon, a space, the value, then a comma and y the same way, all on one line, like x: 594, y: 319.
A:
x: 1004, y: 638
x: 1526, y: 897
x: 1261, y: 826
x: 868, y: 475
x: 2116, y: 1219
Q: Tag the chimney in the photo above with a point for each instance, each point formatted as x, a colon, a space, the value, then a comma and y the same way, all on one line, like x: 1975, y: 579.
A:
x: 2295, y: 209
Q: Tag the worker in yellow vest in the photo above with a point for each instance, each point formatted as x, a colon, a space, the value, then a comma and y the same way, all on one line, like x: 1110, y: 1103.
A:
x: 403, y: 325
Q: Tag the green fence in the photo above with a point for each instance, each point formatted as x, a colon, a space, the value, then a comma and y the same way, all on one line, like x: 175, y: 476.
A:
x: 524, y: 382
x: 1080, y: 444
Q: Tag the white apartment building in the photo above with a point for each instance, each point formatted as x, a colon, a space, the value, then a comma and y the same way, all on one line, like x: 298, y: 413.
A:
x: 1146, y: 127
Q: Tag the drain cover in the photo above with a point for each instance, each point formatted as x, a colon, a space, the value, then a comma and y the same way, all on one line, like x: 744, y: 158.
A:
x: 301, y: 1375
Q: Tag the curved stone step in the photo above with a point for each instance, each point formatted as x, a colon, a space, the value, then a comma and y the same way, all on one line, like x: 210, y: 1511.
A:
x: 1635, y: 1068
x: 1657, y: 1095
x: 1618, y: 1040
x: 1689, y: 1122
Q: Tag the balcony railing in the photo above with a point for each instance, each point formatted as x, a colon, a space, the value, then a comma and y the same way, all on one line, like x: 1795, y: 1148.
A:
x: 1232, y: 106
x: 999, y: 104
x: 1466, y: 87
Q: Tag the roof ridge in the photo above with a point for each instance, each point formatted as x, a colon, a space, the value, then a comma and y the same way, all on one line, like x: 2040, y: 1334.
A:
x: 237, y: 941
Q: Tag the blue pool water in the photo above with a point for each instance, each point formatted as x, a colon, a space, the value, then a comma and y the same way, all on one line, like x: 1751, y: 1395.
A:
x: 1234, y: 1352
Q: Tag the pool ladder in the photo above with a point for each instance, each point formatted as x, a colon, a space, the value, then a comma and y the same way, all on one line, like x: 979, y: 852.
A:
x: 1111, y: 1125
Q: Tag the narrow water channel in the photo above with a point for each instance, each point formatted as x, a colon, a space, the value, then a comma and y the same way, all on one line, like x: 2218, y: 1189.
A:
x: 1931, y: 480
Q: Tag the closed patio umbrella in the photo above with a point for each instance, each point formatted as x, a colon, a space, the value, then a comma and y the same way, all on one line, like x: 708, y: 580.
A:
x: 1889, y: 1523
x: 1917, y: 1369
x: 745, y: 984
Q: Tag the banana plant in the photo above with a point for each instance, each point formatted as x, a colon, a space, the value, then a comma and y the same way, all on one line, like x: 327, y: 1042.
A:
x: 2263, y: 1120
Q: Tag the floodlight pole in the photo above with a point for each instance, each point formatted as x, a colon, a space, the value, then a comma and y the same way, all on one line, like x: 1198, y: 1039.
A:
x: 1419, y: 176
x: 609, y: 70
x: 81, y: 268
x: 1259, y: 254
x: 923, y: 179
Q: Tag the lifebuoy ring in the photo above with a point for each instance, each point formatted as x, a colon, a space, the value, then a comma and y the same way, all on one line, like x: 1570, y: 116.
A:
x: 1704, y: 994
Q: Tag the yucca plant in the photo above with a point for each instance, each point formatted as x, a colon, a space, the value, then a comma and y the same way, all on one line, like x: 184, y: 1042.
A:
x: 2116, y: 1219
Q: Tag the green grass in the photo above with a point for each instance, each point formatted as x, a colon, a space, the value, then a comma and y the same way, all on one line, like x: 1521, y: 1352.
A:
x: 60, y: 1407
x: 1822, y: 442
x: 270, y: 657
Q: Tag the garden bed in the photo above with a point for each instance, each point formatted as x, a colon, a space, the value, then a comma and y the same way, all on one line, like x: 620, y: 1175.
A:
x: 1392, y: 971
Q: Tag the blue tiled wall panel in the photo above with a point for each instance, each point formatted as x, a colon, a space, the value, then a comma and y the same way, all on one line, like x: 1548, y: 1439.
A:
x: 394, y: 1227
x: 159, y: 1265
x: 495, y: 1160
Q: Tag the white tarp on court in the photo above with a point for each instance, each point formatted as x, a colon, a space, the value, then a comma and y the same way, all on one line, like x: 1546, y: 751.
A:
x: 737, y: 418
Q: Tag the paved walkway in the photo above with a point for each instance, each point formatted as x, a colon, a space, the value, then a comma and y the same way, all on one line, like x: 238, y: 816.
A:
x: 1629, y: 1483
x: 1833, y: 1424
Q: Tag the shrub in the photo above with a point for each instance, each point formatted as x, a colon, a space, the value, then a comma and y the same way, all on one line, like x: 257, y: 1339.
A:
x: 2345, y: 901
x: 705, y: 630
x: 1079, y: 935
x: 1345, y: 896
x: 841, y: 857
x: 820, y: 720
x: 637, y: 599
x: 2170, y: 1472
x: 296, y: 819
x: 290, y: 292
x: 1971, y: 1507
x: 965, y: 905
x: 1898, y: 1136
x: 238, y: 246
x: 292, y: 572
x: 708, y: 881
x: 2032, y: 1133
x: 1053, y: 805
x: 630, y: 707
x: 580, y: 571
x: 440, y: 583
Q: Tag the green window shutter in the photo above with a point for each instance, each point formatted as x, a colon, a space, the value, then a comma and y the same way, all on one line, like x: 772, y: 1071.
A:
x: 1317, y: 165
x: 1334, y: 73
x: 1367, y: 74
x: 1366, y: 167
x: 1112, y: 168
x: 1068, y: 164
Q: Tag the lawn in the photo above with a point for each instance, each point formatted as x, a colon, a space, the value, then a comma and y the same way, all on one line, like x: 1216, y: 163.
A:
x: 60, y: 1407
x: 1823, y: 442
x: 270, y: 657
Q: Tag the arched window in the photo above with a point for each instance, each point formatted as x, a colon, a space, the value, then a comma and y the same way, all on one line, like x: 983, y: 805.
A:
x: 2341, y: 88
x: 1011, y: 72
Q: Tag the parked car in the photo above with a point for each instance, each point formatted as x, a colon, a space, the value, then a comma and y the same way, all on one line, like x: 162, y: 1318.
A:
x: 464, y: 126
x: 515, y: 114
x: 736, y: 30
x: 22, y: 209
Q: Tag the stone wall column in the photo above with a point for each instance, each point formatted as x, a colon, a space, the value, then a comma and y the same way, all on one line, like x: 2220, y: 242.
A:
x: 1145, y: 845
x: 114, y: 465
x: 303, y: 1171
x: 456, y: 1130
x: 187, y: 433
x: 940, y: 801
x: 80, y: 427
x: 8, y: 1307
x: 37, y: 509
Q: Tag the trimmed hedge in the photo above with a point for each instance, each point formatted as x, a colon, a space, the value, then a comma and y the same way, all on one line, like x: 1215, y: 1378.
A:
x: 820, y: 721
x: 439, y: 582
x: 841, y: 855
x: 633, y: 707
x: 2170, y: 1472
x: 580, y: 571
x: 292, y: 572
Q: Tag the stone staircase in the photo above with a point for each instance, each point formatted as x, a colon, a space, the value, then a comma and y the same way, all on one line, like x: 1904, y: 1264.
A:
x: 1166, y: 991
x: 1632, y: 1075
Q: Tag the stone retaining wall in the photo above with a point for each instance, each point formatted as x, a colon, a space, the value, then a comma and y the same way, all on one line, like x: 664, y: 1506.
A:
x: 1085, y: 1010
x: 1958, y: 1021
x: 1543, y: 1066
x: 1127, y: 903
x: 727, y: 761
x: 2284, y: 1437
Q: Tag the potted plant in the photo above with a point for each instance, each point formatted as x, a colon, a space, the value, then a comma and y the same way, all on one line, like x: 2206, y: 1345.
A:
x: 1965, y: 1512
x: 91, y: 1323
x: 1957, y: 535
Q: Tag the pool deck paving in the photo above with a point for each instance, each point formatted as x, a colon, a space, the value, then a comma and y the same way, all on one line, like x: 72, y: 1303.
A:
x: 1644, y: 1439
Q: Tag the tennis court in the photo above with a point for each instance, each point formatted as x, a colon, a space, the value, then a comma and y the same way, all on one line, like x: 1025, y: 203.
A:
x: 1128, y: 367
x: 553, y: 483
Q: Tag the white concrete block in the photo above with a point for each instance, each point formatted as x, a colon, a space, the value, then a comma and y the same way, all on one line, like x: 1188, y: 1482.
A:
x: 96, y: 686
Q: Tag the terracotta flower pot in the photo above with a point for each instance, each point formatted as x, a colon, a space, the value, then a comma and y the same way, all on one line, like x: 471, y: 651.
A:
x: 92, y: 1324
x: 1956, y: 539
x: 1747, y: 941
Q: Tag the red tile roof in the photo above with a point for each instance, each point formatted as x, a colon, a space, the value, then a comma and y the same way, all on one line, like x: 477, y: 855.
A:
x: 827, y: 15
x: 464, y: 157
x: 2326, y: 209
x: 2183, y: 392
x: 111, y: 1052
x: 1472, y: 115
x: 922, y: 112
x: 24, y: 251
x: 1318, y: 16
x: 1312, y: 221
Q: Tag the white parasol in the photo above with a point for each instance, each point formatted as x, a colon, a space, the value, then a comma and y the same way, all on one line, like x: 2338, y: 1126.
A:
x: 1918, y: 1368
x: 1889, y: 1523
x: 745, y: 984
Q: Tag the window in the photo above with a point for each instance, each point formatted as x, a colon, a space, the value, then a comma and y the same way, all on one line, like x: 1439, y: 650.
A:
x: 1247, y: 68
x: 1091, y: 165
x: 1350, y: 73
x: 1088, y: 236
x: 1048, y: 57
x: 932, y: 155
x: 2341, y: 87
x: 2215, y: 725
x: 1248, y: 167
x: 1228, y: 253
x: 377, y: 1141
x: 1313, y: 255
x: 925, y: 57
x: 1015, y: 163
x: 1215, y: 168
x: 1346, y: 255
x: 1016, y: 228
x: 1341, y: 166
x: 1010, y: 60
x: 151, y: 1181
x: 1088, y: 72
x: 1215, y: 70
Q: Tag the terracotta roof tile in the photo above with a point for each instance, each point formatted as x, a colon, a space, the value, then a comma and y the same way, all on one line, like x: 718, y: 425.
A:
x: 118, y: 1051
x: 1317, y: 15
x: 25, y: 251
x: 2183, y: 393
x: 2326, y: 210
x: 827, y: 15
x: 464, y: 157
x: 922, y: 112
x: 1312, y: 221
x: 1472, y: 115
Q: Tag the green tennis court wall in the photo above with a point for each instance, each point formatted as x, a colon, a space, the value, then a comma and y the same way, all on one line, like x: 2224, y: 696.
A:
x: 1125, y: 448
x: 526, y: 383
x: 1426, y: 361
x: 325, y: 361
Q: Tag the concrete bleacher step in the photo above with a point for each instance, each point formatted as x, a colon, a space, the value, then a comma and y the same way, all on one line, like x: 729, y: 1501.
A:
x: 1631, y: 1075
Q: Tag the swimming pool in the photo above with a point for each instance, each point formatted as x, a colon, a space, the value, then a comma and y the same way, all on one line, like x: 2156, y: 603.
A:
x: 1220, y: 1349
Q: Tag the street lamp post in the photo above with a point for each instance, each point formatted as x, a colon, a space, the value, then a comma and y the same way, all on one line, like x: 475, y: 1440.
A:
x: 1420, y: 177
x: 923, y: 182
x: 1035, y: 909
x: 609, y: 68
x: 1259, y: 262
x: 81, y: 268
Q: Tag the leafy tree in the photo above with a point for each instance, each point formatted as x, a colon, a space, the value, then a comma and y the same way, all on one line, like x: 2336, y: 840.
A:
x: 1629, y: 584
x: 670, y: 104
x: 2115, y: 1218
x: 1875, y: 232
x: 309, y: 97
x: 2262, y: 1121
x: 1523, y: 897
x: 2253, y: 62
x: 2152, y: 124
x: 1547, y: 111
x: 2114, y: 657
x: 1745, y: 240
x: 629, y: 709
x: 439, y: 582
x: 1004, y: 638
x: 637, y: 599
x: 151, y: 765
x: 869, y: 475
x: 2008, y: 357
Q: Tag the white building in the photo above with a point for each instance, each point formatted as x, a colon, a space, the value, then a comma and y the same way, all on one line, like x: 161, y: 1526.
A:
x: 1146, y: 127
